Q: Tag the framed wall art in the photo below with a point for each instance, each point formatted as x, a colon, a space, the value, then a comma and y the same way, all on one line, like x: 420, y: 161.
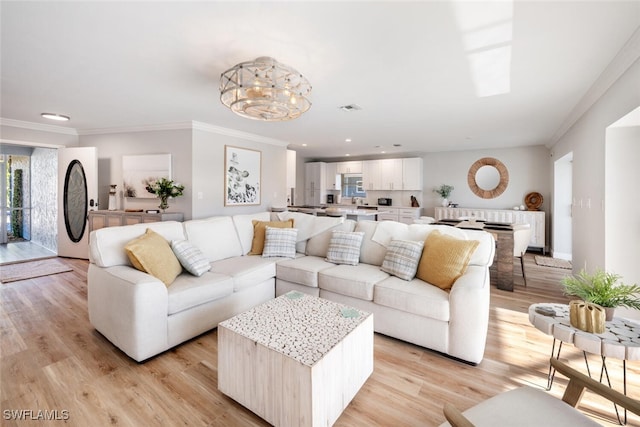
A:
x: 139, y: 171
x: 243, y: 175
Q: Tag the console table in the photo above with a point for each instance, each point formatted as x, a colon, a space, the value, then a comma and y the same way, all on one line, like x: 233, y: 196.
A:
x: 620, y: 340
x: 103, y: 218
x: 535, y: 218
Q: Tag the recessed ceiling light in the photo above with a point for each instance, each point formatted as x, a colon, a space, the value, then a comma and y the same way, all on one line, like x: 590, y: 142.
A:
x: 347, y: 155
x: 347, y: 140
x: 304, y: 145
x: 54, y: 116
x: 382, y: 152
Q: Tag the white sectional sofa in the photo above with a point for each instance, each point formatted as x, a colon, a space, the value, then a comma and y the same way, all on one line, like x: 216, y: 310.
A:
x: 143, y: 317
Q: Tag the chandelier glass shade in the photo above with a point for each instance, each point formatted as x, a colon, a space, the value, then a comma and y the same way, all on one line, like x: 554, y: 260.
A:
x: 266, y: 90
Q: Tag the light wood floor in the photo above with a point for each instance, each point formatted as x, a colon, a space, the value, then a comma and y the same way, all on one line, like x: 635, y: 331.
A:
x: 52, y: 359
x: 11, y: 253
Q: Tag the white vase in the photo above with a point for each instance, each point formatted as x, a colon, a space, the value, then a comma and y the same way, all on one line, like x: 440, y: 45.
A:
x: 445, y: 202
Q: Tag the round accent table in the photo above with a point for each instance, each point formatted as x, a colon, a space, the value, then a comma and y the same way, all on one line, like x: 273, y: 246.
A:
x: 620, y: 340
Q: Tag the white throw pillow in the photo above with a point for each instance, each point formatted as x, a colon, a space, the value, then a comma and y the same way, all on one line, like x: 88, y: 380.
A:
x: 190, y: 257
x: 344, y: 247
x: 402, y: 258
x: 280, y: 242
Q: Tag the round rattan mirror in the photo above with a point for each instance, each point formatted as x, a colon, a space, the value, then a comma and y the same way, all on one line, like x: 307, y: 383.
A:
x: 488, y: 178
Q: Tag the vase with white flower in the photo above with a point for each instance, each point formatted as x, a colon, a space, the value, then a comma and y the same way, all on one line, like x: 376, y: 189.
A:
x: 165, y: 188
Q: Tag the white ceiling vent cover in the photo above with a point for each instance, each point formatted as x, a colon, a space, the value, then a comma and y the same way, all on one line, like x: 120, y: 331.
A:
x: 350, y: 107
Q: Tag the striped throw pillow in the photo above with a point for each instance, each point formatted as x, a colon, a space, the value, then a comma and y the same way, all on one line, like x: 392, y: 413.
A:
x: 344, y: 247
x: 190, y: 257
x: 280, y: 242
x: 402, y: 258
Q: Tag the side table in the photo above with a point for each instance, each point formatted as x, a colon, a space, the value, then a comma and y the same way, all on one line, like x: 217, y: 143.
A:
x: 620, y: 340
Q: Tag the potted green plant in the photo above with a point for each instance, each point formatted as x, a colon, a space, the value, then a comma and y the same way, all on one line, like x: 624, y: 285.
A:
x: 444, y: 191
x: 165, y: 188
x: 602, y: 288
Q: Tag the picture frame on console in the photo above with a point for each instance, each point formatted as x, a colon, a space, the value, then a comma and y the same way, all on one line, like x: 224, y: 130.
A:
x: 140, y: 170
x: 243, y: 176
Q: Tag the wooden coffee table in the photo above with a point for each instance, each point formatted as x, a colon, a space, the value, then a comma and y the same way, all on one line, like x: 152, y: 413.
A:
x: 295, y: 360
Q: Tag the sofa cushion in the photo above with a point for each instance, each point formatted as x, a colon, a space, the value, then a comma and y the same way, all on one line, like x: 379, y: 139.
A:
x: 444, y: 259
x: 105, y: 244
x: 188, y: 291
x: 280, y: 242
x: 351, y: 280
x: 259, y: 232
x: 246, y: 271
x: 318, y: 245
x: 402, y: 258
x: 483, y: 255
x: 303, y: 270
x: 371, y: 252
x: 216, y: 237
x: 414, y: 296
x: 244, y: 227
x: 152, y: 254
x: 190, y: 257
x: 344, y: 247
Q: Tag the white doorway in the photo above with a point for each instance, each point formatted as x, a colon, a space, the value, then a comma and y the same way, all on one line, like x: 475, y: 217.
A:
x: 563, y: 207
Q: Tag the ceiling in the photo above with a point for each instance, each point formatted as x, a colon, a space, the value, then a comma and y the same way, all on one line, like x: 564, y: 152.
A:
x: 428, y: 75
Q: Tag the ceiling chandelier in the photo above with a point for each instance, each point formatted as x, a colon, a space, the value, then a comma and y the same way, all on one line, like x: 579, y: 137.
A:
x: 265, y: 89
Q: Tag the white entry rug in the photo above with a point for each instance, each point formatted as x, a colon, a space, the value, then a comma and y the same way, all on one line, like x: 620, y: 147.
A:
x: 29, y: 270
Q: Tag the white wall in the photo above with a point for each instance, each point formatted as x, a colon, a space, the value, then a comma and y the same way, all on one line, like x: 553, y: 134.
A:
x: 112, y: 146
x: 528, y: 171
x: 586, y: 138
x: 208, y: 174
x: 622, y: 205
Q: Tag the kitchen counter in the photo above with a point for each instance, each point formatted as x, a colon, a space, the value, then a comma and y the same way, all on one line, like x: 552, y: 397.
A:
x: 350, y: 213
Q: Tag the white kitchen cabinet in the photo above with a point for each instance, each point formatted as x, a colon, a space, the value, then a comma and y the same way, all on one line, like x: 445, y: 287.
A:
x: 535, y: 218
x: 333, y: 178
x: 408, y: 215
x: 412, y: 174
x: 371, y: 175
x: 315, y: 193
x: 404, y: 215
x: 354, y: 166
x: 387, y: 214
x: 390, y: 174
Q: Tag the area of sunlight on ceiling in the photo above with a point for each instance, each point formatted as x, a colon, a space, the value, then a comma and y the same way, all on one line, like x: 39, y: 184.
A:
x: 487, y: 31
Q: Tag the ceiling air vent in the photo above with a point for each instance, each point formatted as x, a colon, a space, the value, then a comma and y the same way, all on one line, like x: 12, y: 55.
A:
x: 350, y: 107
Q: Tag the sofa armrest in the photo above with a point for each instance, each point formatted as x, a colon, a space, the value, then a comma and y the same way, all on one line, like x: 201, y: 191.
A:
x: 129, y: 308
x: 469, y: 314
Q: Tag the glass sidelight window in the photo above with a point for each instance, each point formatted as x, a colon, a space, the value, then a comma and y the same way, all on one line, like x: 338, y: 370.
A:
x: 16, y: 198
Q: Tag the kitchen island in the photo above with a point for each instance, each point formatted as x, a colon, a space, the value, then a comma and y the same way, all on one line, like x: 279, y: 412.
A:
x: 368, y: 212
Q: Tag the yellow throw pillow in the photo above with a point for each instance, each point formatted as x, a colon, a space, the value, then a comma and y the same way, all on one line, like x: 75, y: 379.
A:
x: 259, y: 227
x: 444, y: 259
x: 152, y: 254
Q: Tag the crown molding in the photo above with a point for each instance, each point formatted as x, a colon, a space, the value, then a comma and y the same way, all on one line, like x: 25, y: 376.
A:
x: 30, y: 144
x: 205, y: 127
x: 38, y: 126
x: 625, y: 58
x: 141, y: 128
x: 190, y: 125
